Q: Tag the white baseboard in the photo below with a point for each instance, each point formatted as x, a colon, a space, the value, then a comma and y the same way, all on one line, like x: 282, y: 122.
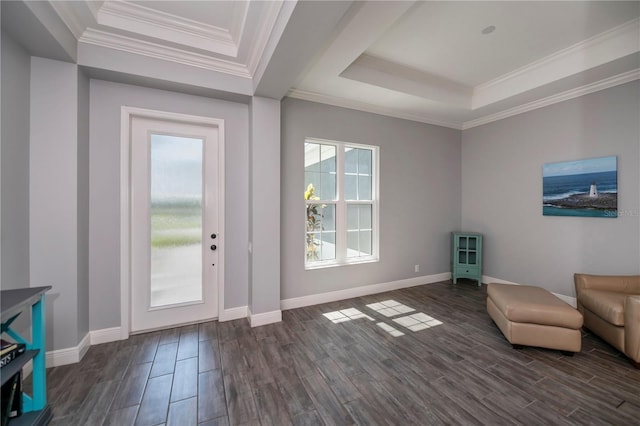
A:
x: 68, y: 355
x: 568, y: 299
x: 332, y: 296
x: 256, y: 320
x: 487, y: 279
x: 73, y: 355
x: 105, y: 335
x: 233, y: 314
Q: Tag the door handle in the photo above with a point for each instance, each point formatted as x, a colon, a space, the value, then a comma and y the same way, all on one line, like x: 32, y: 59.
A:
x: 213, y: 247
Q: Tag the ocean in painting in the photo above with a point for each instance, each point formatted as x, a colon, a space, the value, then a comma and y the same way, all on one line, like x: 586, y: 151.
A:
x: 568, y: 195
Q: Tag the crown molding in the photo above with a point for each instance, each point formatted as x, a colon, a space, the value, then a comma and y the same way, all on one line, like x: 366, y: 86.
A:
x: 68, y: 15
x: 139, y: 19
x: 94, y: 7
x: 166, y: 53
x: 366, y: 107
x: 550, y: 100
x: 238, y: 20
x: 268, y: 19
x: 554, y: 99
x: 597, y: 50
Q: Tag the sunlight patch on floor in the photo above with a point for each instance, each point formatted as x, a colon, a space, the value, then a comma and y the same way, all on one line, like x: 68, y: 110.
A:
x: 390, y: 308
x: 346, y: 315
x: 417, y: 322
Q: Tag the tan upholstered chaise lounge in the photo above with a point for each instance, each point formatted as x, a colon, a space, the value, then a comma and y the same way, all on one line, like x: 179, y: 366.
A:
x: 531, y: 316
x: 610, y: 305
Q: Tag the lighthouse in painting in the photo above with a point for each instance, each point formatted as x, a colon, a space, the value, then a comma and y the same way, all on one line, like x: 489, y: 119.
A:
x: 593, y: 191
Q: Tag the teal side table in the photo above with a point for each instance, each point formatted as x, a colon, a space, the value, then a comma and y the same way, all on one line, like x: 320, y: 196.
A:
x: 466, y: 256
x: 36, y: 412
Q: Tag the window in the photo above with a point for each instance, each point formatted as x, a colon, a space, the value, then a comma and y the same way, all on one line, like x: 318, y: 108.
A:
x: 341, y: 196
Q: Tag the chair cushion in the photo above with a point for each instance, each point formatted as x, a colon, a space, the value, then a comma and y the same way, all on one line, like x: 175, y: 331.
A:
x: 534, y: 305
x: 606, y: 304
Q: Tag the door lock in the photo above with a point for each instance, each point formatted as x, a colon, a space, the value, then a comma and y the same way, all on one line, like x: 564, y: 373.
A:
x: 213, y: 247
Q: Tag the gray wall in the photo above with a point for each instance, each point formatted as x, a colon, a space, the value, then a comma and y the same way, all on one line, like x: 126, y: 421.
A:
x: 53, y: 196
x: 16, y: 66
x: 83, y: 204
x: 419, y: 195
x: 502, y: 190
x: 104, y: 258
x: 264, y: 226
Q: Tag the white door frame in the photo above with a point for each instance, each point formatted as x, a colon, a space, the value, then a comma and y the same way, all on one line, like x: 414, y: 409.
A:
x: 126, y: 115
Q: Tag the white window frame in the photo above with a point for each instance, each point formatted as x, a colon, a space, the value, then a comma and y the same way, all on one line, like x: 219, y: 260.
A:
x: 341, y: 204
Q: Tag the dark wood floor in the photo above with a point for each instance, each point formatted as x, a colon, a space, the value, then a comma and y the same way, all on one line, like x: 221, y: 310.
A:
x: 309, y: 370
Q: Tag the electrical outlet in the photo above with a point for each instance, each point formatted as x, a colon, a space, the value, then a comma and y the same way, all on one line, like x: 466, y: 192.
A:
x: 417, y: 268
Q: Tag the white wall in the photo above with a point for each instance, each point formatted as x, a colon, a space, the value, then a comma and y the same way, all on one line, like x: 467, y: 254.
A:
x: 502, y: 190
x: 104, y: 258
x: 16, y: 66
x: 419, y: 195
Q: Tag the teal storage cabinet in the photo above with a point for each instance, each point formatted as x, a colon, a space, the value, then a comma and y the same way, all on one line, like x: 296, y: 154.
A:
x: 466, y: 256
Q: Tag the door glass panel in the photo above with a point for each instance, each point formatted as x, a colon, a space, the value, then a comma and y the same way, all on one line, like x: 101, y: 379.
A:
x: 176, y: 220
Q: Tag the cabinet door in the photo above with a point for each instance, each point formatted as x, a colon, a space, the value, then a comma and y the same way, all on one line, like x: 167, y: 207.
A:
x: 462, y: 258
x: 462, y: 242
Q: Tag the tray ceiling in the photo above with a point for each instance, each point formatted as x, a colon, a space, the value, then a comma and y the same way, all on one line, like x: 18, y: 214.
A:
x: 457, y: 64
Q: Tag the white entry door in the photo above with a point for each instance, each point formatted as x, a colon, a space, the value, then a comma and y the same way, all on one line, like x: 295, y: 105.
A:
x: 175, y: 239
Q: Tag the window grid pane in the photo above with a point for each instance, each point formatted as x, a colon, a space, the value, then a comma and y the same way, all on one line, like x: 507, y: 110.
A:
x: 358, y: 176
x: 320, y: 172
x: 351, y: 237
x: 320, y: 232
x: 359, y: 231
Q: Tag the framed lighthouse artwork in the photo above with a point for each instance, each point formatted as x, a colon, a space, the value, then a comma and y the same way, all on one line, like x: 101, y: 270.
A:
x: 587, y: 188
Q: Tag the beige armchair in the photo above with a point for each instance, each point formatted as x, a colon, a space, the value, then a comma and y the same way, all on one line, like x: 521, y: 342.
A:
x: 610, y: 305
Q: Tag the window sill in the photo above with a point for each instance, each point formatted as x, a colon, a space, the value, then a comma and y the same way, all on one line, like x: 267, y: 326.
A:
x: 333, y: 264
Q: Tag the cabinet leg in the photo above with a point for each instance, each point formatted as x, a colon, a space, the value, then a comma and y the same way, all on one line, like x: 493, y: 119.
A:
x: 39, y: 395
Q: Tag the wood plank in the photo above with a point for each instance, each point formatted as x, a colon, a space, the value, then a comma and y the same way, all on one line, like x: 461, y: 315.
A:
x: 211, y: 398
x: 220, y: 421
x: 307, y: 418
x: 155, y: 402
x: 122, y: 417
x: 188, y: 345
x: 310, y: 371
x: 171, y: 335
x: 185, y: 380
x: 344, y: 390
x: 293, y: 392
x: 208, y: 355
x: 165, y: 360
x: 208, y: 331
x: 327, y: 405
x: 183, y: 413
x: 272, y: 409
x: 132, y: 386
x: 96, y: 405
